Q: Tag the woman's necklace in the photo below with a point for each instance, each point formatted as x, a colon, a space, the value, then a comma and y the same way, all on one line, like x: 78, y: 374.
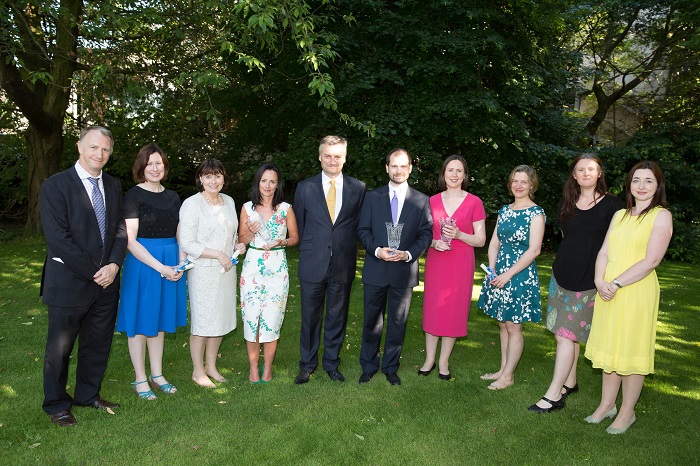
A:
x: 219, y: 200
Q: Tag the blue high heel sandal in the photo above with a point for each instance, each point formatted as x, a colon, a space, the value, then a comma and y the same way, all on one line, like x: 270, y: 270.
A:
x: 168, y: 388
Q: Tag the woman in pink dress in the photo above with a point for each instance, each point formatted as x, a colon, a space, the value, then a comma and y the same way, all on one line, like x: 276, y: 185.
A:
x: 449, y: 268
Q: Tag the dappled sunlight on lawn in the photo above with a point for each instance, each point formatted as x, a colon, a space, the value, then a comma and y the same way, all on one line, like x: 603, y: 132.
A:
x: 7, y: 391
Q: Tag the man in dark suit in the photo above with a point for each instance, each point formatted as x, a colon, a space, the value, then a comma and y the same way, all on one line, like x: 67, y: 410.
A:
x: 326, y: 207
x: 388, y: 274
x: 85, y: 246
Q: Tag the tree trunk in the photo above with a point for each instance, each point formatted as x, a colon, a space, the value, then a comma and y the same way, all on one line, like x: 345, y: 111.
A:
x: 43, y: 156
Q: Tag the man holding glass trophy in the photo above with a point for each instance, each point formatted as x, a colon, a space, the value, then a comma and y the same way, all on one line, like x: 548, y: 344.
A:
x: 395, y: 228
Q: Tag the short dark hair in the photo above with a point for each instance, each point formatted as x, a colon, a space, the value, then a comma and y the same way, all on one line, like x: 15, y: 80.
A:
x: 142, y: 161
x: 255, y: 196
x: 210, y: 167
x: 441, y: 177
x: 396, y: 151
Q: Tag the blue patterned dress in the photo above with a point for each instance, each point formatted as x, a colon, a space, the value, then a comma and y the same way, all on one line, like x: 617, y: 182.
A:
x: 519, y: 300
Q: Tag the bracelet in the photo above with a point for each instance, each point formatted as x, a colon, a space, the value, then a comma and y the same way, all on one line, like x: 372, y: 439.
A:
x: 286, y: 242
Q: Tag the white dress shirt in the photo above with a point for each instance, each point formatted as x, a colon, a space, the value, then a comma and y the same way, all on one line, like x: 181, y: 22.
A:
x: 326, y: 183
x: 84, y: 175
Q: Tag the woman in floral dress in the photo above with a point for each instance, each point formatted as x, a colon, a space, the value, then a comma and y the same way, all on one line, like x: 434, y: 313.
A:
x: 513, y: 295
x: 268, y: 226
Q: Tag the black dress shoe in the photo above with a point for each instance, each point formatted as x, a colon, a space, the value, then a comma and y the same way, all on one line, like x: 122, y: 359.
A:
x: 559, y: 404
x: 102, y: 404
x: 336, y: 375
x: 568, y: 391
x: 447, y: 376
x: 393, y: 378
x: 426, y: 373
x: 366, y: 377
x: 302, y: 377
x: 63, y: 419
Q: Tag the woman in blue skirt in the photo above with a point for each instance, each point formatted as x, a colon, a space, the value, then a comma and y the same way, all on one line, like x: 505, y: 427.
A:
x: 153, y: 298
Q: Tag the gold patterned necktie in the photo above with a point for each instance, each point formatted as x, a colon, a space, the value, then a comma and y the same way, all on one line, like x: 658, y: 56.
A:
x: 330, y: 201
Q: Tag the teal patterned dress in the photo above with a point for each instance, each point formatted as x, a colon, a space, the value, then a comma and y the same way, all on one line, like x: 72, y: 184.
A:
x: 519, y: 300
x: 265, y: 282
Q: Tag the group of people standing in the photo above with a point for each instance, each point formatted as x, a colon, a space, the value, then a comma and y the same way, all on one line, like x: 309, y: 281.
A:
x: 88, y: 229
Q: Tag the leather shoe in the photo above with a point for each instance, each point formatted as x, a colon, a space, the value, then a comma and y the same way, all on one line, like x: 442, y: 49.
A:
x: 426, y: 373
x: 559, y: 404
x: 568, y: 391
x: 447, y: 376
x: 366, y: 377
x: 302, y: 377
x: 393, y: 378
x: 102, y: 404
x: 336, y: 375
x: 63, y: 418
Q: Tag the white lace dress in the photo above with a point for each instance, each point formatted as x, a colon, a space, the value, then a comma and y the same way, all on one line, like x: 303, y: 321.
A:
x: 212, y: 294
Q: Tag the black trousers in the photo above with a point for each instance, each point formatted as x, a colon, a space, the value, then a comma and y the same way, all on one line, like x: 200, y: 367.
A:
x: 93, y: 327
x: 336, y: 297
x: 399, y: 302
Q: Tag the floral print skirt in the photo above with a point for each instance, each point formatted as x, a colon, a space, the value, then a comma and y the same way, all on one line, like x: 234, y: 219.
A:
x: 569, y: 313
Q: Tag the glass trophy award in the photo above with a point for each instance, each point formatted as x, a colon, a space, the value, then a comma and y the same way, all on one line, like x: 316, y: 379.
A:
x: 393, y: 233
x: 446, y: 221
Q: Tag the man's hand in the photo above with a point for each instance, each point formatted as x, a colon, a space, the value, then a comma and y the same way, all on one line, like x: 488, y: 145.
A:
x: 389, y: 255
x: 105, y: 276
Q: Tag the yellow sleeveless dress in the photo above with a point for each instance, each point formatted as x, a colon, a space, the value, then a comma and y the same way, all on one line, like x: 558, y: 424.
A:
x: 623, y: 330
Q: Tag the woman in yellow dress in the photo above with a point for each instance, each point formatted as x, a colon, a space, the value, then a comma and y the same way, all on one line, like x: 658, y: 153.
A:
x: 623, y: 331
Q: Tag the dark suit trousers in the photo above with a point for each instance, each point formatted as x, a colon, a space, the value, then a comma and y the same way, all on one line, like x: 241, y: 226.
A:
x: 337, y: 298
x: 93, y: 326
x: 397, y: 314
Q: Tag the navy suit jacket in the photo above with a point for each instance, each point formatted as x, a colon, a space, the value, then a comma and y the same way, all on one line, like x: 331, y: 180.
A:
x: 73, y: 236
x: 416, y: 236
x: 319, y: 237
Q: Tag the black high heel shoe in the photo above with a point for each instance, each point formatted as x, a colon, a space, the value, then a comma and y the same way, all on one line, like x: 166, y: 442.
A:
x: 426, y: 373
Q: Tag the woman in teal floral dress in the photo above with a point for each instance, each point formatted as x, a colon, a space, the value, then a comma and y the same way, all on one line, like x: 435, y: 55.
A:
x: 265, y: 223
x: 513, y: 295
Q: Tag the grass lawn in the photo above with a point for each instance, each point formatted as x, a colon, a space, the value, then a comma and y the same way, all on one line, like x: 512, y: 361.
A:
x: 424, y: 421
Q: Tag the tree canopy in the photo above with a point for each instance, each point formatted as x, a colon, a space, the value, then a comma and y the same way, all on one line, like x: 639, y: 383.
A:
x: 251, y: 81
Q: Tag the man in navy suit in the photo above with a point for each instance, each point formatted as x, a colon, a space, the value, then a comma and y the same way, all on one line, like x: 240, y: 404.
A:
x: 326, y: 207
x: 85, y: 246
x: 388, y: 274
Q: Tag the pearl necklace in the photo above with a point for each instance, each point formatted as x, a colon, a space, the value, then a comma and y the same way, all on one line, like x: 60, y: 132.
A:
x: 219, y: 200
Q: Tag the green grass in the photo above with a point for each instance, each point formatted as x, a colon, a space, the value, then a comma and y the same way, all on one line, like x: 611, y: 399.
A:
x: 425, y: 421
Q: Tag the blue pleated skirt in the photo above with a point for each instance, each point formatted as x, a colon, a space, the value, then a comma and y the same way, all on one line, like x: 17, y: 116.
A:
x: 149, y: 303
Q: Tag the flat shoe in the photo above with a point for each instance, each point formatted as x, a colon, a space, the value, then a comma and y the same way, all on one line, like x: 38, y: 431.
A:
x: 559, y: 404
x: 447, y: 376
x: 568, y: 391
x: 63, y: 419
x: 426, y: 373
x: 614, y: 431
x: 591, y: 420
x: 147, y: 395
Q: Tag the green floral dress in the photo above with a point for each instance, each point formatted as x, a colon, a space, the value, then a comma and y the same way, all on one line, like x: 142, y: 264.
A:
x: 519, y: 300
x: 265, y: 282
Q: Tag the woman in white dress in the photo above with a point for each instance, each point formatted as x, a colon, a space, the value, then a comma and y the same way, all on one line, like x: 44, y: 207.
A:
x: 208, y: 225
x: 265, y: 223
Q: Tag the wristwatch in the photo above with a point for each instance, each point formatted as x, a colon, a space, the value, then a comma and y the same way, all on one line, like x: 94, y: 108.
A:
x: 617, y: 283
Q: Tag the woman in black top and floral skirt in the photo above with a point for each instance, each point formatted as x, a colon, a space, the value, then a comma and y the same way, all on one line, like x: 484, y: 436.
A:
x: 585, y: 212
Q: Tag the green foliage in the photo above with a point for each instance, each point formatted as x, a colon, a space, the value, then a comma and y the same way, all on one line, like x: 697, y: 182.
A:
x: 677, y: 150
